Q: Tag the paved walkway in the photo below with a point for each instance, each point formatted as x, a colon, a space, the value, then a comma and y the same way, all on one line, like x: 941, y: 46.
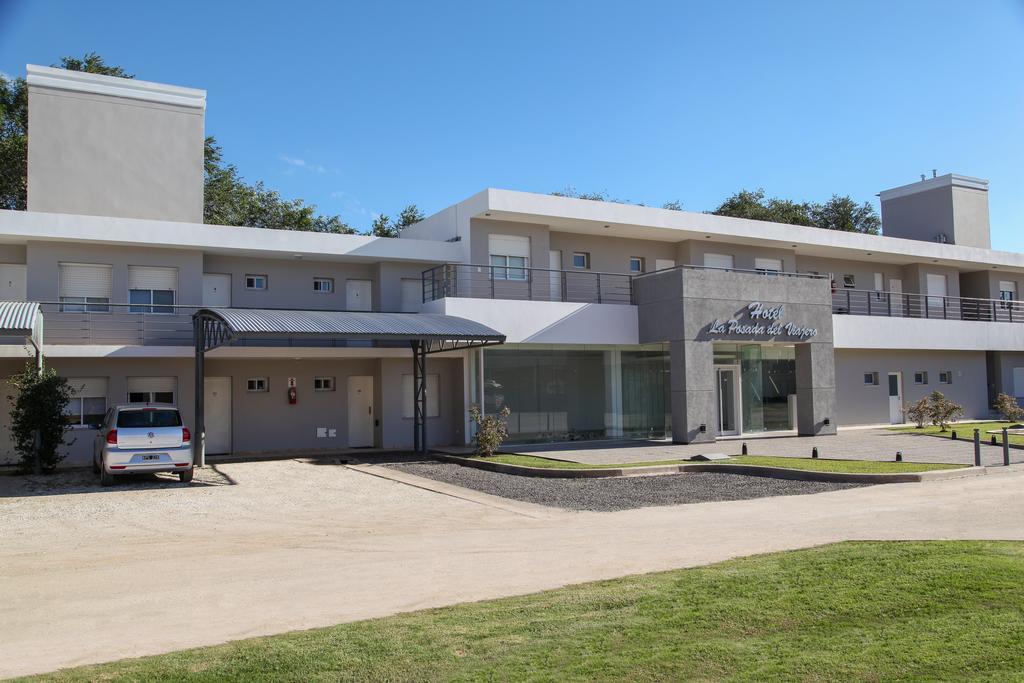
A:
x: 266, y: 547
x: 853, y: 444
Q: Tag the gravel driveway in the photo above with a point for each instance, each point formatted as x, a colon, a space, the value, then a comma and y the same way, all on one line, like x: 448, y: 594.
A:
x: 617, y: 493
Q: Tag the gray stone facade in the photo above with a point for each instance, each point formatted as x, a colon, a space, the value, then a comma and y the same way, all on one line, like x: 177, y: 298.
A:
x: 691, y: 308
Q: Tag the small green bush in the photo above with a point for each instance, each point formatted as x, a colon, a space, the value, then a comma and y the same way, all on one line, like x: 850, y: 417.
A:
x: 491, y: 430
x: 1008, y: 407
x: 942, y: 410
x: 918, y: 412
x: 39, y: 406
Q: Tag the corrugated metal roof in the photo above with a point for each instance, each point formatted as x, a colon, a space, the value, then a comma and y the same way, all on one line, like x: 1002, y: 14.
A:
x: 255, y: 322
x: 18, y: 317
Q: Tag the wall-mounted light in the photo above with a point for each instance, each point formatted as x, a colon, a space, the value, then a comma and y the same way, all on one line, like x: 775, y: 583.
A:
x: 828, y: 421
x: 703, y: 428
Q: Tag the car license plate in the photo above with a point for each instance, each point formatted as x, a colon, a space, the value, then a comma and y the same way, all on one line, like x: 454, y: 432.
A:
x: 151, y: 457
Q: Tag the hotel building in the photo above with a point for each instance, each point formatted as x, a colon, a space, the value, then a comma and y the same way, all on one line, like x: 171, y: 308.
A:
x: 589, y: 320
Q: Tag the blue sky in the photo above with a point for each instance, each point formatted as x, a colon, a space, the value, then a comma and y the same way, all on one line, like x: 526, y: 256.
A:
x: 364, y: 107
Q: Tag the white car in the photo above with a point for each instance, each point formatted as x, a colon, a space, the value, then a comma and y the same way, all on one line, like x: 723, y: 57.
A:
x: 142, y: 437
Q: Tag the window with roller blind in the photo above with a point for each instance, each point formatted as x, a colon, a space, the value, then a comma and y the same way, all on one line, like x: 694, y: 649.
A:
x: 152, y: 289
x: 510, y: 256
x: 84, y: 287
x: 88, y: 402
x: 152, y: 389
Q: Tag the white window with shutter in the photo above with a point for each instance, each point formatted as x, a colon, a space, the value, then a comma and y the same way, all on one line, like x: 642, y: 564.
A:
x: 433, y: 396
x: 152, y: 289
x: 152, y: 389
x: 718, y: 261
x: 84, y: 287
x: 88, y: 404
x: 769, y: 266
x: 412, y: 294
x: 509, y: 256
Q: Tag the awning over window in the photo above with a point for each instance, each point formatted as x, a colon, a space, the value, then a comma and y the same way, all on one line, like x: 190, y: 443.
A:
x: 437, y: 332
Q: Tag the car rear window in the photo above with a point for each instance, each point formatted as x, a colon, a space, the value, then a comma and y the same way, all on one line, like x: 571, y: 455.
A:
x: 128, y: 419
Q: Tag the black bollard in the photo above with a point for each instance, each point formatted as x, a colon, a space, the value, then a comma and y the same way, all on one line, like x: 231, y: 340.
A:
x: 899, y: 456
x: 995, y: 440
x: 814, y: 452
x: 1006, y: 447
x: 953, y: 435
x: 744, y: 450
x: 977, y: 448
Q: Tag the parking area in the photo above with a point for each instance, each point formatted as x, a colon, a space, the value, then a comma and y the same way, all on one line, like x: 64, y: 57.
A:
x: 853, y: 444
x: 250, y: 548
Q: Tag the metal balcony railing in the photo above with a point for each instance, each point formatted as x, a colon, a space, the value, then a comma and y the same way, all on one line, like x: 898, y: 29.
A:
x: 117, y: 324
x: 901, y: 305
x: 526, y: 284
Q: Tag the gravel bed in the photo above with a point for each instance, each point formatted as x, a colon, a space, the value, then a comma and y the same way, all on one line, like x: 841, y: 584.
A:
x: 618, y: 493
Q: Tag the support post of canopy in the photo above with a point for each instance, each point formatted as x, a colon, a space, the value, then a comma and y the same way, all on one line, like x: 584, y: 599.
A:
x: 199, y: 439
x: 419, y: 388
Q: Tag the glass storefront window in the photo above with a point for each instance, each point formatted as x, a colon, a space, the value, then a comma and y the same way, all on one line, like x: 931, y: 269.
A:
x: 767, y: 381
x: 579, y: 394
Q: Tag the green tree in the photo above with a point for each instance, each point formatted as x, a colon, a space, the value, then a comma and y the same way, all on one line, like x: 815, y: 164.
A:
x: 228, y: 199
x: 754, y: 205
x: 38, y: 423
x: 674, y: 205
x: 383, y: 226
x: 844, y: 214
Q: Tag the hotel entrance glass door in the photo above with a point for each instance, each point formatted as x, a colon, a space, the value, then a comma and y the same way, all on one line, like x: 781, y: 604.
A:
x: 727, y: 390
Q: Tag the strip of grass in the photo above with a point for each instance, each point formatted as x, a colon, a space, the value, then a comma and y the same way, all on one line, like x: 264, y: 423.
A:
x: 852, y: 611
x: 815, y: 465
x: 538, y: 461
x: 966, y: 431
x: 846, y: 466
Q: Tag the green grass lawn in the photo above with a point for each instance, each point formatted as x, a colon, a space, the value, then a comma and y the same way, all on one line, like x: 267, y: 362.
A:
x: 865, y: 611
x: 816, y: 465
x: 965, y: 431
x: 831, y: 465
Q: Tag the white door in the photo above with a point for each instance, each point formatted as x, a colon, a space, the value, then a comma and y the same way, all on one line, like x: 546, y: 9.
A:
x: 895, y: 398
x: 358, y: 295
x: 936, y: 285
x: 728, y: 395
x: 12, y: 282
x: 555, y: 276
x: 896, y: 296
x: 360, y: 411
x: 217, y: 290
x: 217, y: 414
x: 664, y: 263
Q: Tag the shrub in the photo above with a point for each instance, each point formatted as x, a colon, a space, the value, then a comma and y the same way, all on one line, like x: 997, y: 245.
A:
x: 491, y: 430
x: 1008, y: 407
x: 942, y: 411
x: 918, y: 412
x: 38, y: 408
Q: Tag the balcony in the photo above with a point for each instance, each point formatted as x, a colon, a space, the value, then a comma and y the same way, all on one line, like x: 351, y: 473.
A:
x: 117, y: 324
x: 899, y: 305
x: 526, y: 284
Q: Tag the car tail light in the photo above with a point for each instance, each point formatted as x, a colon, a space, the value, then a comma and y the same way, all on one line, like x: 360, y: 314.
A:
x: 186, y: 435
x: 118, y: 467
x: 112, y: 437
x: 181, y: 464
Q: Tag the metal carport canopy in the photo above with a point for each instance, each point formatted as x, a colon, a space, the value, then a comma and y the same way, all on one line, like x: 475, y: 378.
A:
x: 424, y: 332
x: 23, y: 319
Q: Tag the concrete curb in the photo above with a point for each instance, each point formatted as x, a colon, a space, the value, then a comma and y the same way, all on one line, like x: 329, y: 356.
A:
x: 751, y: 470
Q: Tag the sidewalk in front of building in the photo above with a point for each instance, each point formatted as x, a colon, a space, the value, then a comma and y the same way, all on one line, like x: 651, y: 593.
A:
x: 850, y: 444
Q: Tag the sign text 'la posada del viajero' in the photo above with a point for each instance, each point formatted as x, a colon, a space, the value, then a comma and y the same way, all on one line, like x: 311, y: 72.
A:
x: 764, y: 321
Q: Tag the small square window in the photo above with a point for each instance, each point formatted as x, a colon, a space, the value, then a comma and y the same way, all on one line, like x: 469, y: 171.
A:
x: 850, y: 281
x: 323, y: 285
x: 581, y: 259
x: 946, y: 377
x: 920, y: 377
x: 257, y: 384
x: 323, y: 384
x: 636, y: 264
x: 871, y: 379
x: 256, y: 282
